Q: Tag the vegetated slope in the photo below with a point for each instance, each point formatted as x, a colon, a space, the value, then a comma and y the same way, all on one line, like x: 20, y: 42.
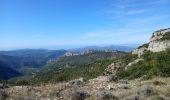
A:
x: 18, y: 62
x: 29, y: 59
x: 154, y: 64
x: 7, y: 72
x: 67, y: 68
x: 154, y: 58
x: 82, y: 59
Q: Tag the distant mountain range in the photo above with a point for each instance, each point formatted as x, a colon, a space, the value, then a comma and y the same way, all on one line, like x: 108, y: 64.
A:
x: 26, y: 61
x: 44, y: 53
x: 29, y: 57
x: 99, y: 48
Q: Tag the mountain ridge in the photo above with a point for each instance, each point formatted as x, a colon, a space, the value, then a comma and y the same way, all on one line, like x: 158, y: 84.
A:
x: 102, y: 48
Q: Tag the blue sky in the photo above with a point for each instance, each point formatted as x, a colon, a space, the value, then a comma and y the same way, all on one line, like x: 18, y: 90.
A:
x: 57, y: 24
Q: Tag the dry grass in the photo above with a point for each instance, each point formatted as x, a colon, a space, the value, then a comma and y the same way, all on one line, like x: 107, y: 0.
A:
x: 63, y: 90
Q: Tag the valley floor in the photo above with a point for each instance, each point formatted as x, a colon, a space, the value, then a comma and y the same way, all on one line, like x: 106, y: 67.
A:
x: 95, y: 89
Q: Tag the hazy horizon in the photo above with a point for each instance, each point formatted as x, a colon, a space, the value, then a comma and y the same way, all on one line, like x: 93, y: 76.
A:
x: 61, y: 24
x: 69, y: 47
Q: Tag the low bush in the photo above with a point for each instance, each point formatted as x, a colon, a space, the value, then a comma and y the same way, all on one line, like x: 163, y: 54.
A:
x: 154, y: 64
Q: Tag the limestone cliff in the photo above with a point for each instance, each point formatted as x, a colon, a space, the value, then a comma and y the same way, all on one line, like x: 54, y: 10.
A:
x: 159, y: 41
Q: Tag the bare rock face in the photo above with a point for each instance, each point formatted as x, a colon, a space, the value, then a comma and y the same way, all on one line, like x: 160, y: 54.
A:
x: 157, y: 45
x: 139, y: 51
x: 159, y: 34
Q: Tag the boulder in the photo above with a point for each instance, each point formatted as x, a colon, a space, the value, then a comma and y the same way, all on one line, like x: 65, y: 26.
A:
x: 123, y: 81
x: 105, y: 95
x: 80, y: 81
x: 146, y: 90
x: 79, y: 95
x: 112, y: 78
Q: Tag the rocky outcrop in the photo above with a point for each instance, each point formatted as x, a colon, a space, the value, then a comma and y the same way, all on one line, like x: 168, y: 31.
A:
x: 156, y: 43
x: 74, y: 53
x: 139, y: 51
x: 157, y: 46
x: 134, y: 62
x: 157, y: 35
x: 112, y: 68
x: 78, y: 82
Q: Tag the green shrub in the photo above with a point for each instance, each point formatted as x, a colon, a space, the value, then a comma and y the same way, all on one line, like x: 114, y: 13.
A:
x: 154, y: 64
x: 22, y: 82
x: 144, y: 45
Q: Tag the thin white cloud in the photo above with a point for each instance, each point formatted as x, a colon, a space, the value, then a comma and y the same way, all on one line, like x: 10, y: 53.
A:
x: 124, y: 8
x: 135, y: 30
x: 40, y: 35
x: 145, y: 22
x: 133, y: 12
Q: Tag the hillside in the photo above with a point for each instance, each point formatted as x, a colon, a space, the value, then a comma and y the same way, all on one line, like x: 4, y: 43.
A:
x: 7, y: 72
x: 28, y: 60
x: 29, y: 57
x: 67, y: 68
x: 153, y: 59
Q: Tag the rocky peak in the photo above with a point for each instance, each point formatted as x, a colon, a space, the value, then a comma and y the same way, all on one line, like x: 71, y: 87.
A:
x: 156, y: 43
x: 157, y: 35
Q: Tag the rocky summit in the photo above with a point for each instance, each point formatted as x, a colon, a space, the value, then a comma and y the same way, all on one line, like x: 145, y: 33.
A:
x: 159, y: 41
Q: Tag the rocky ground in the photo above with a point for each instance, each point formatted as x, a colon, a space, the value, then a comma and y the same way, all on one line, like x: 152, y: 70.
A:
x: 101, y: 88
